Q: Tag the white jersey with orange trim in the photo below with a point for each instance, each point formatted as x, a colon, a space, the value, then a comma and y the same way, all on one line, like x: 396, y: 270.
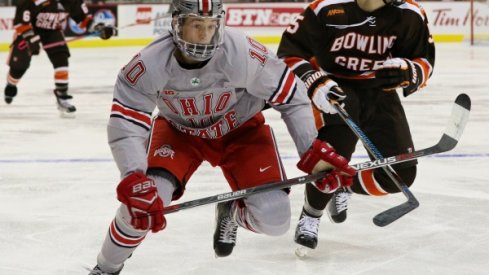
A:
x: 350, y: 44
x: 208, y: 102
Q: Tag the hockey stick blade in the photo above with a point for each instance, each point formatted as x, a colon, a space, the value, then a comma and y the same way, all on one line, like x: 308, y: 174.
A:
x: 456, y: 124
x: 389, y: 216
x: 455, y: 127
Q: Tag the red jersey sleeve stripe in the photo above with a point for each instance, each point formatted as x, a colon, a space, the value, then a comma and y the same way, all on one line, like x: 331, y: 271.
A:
x: 130, y: 114
x: 286, y: 88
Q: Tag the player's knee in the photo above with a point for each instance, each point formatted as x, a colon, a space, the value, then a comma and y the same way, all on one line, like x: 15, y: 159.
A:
x: 19, y: 60
x: 270, y: 211
x: 407, y: 174
x: 18, y: 69
x: 378, y: 183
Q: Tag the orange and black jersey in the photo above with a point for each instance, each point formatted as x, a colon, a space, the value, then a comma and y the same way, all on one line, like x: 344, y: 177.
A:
x: 349, y: 44
x: 48, y: 14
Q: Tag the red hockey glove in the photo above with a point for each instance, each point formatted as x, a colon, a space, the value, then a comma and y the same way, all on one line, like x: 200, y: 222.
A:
x: 399, y: 73
x: 32, y: 41
x: 139, y: 194
x: 321, y: 90
x: 321, y: 156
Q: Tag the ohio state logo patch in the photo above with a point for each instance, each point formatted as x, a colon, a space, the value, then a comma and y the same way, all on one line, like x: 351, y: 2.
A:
x: 164, y: 151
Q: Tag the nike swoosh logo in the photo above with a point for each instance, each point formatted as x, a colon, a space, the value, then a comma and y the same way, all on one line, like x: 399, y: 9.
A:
x: 264, y: 169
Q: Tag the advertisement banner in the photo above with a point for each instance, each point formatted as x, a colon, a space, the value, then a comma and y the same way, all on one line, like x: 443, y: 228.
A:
x: 143, y: 21
x: 262, y: 16
x: 448, y: 19
x: 6, y: 24
x: 139, y: 24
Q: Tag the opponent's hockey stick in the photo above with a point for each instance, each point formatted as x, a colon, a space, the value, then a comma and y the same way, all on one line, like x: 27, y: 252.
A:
x: 455, y: 127
x: 95, y: 33
x: 394, y: 213
x: 447, y: 142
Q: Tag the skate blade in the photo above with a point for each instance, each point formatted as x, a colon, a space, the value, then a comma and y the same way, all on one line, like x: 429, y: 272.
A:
x: 302, y: 252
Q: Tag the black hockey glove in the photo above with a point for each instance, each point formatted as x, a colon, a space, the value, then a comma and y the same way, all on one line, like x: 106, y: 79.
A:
x: 32, y: 41
x: 399, y: 73
x: 105, y: 31
x: 321, y: 89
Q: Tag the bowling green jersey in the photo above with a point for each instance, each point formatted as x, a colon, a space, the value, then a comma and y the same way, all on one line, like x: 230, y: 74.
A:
x: 349, y: 44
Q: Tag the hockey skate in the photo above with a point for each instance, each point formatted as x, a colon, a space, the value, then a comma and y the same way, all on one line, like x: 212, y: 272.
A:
x: 10, y: 93
x: 306, y: 232
x: 97, y: 271
x: 338, y: 205
x: 226, y: 230
x: 66, y: 108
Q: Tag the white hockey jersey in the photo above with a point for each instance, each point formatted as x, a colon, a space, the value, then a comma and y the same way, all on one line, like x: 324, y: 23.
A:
x: 208, y: 102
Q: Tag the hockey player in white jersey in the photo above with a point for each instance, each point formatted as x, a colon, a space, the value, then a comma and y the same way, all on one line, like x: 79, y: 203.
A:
x: 209, y: 84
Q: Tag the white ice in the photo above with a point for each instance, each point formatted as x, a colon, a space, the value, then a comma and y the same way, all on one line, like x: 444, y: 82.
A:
x: 57, y: 187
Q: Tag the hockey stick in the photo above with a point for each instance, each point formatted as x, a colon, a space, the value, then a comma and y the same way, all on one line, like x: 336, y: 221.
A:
x: 394, y: 213
x: 95, y: 33
x: 449, y: 140
x: 455, y: 127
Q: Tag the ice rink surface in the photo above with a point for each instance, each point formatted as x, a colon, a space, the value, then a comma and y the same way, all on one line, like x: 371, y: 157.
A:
x: 57, y: 187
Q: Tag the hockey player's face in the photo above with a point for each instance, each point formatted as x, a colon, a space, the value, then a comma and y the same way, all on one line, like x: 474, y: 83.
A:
x: 199, y: 30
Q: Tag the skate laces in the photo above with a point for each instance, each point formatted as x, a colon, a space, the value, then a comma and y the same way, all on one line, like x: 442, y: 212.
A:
x: 341, y: 199
x: 309, y: 225
x: 227, y: 230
